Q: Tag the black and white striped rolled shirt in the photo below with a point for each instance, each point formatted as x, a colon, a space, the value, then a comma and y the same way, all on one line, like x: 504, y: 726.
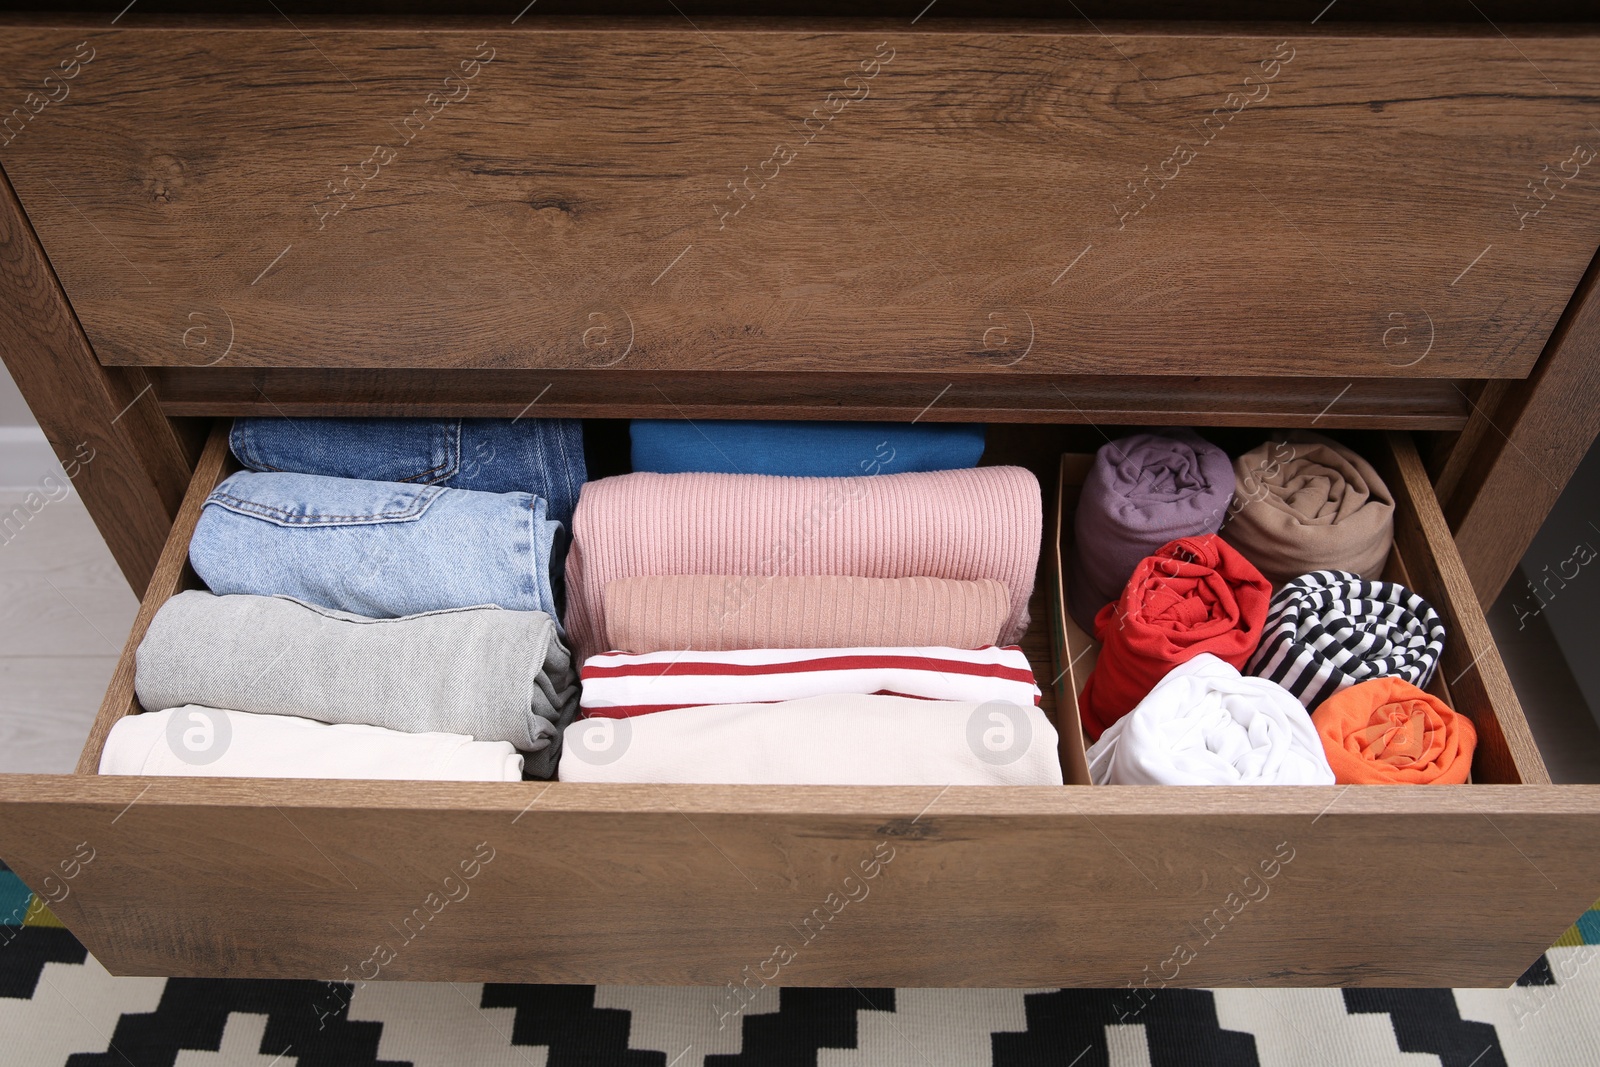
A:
x: 1330, y: 629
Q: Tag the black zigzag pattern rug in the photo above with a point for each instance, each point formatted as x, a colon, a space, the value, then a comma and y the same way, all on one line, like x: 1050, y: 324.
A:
x: 59, y: 1007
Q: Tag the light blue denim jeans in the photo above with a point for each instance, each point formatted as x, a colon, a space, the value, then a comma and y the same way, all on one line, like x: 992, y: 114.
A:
x: 379, y: 549
x: 539, y: 456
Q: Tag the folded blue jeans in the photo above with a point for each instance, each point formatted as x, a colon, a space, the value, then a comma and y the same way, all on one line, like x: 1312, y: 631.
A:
x: 379, y: 549
x: 803, y: 449
x: 539, y: 456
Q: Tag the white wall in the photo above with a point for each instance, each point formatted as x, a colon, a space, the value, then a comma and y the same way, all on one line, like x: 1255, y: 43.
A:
x: 13, y: 409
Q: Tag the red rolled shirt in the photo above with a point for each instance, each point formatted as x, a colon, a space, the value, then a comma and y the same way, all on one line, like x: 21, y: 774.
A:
x: 1194, y: 595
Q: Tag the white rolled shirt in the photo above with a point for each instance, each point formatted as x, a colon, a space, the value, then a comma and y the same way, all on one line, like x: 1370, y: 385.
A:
x: 1206, y: 724
x: 853, y: 739
x: 217, y: 743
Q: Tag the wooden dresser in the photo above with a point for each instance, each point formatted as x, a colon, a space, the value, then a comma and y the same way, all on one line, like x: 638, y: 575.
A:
x: 1061, y: 221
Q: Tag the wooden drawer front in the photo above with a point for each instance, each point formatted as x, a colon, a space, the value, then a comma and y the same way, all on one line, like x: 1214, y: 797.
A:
x: 1076, y: 885
x: 926, y: 200
x: 983, y: 887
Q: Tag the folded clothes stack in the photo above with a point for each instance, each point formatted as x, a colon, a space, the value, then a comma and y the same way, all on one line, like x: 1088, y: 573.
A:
x: 543, y: 457
x: 780, y: 603
x: 967, y: 525
x: 362, y: 610
x: 1165, y: 702
x: 801, y: 626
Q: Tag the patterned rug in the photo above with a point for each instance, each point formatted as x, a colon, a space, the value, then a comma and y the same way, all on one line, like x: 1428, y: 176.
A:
x: 59, y: 1006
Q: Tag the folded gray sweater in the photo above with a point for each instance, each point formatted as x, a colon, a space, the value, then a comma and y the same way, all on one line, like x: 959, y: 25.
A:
x: 492, y: 673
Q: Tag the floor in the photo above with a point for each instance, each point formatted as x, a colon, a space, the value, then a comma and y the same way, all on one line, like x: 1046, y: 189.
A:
x: 65, y: 612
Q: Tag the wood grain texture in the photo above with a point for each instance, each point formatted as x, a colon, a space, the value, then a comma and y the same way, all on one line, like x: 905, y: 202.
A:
x: 986, y: 887
x: 1348, y: 16
x: 1451, y: 455
x: 1424, y: 404
x: 972, y: 209
x: 123, y: 455
x: 168, y: 578
x: 457, y: 14
x: 1471, y: 666
x: 1536, y: 436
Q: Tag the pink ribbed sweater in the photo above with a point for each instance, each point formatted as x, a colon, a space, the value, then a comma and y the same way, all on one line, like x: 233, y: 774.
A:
x: 964, y: 524
x: 707, y: 612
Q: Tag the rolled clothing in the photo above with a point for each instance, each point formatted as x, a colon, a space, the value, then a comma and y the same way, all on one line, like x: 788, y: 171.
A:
x: 379, y: 549
x: 718, y: 613
x: 1304, y: 502
x: 803, y: 449
x: 620, y: 685
x: 966, y: 525
x: 201, y: 742
x: 543, y: 457
x: 831, y: 740
x: 1193, y: 595
x: 1328, y: 630
x: 1141, y: 492
x: 1386, y: 731
x: 1207, y: 724
x: 483, y: 671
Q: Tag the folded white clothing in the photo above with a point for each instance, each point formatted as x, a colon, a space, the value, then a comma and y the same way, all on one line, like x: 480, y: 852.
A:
x: 196, y: 741
x: 850, y: 739
x: 1206, y: 724
x: 620, y: 684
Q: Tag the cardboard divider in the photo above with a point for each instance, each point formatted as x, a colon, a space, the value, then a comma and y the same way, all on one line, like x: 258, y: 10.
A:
x: 1072, y: 651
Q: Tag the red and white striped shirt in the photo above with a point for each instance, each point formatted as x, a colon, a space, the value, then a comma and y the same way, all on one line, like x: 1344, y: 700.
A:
x: 622, y: 684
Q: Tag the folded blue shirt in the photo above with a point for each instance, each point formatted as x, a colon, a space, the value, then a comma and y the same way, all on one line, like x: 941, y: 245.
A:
x: 803, y: 449
x: 539, y: 456
x: 379, y: 549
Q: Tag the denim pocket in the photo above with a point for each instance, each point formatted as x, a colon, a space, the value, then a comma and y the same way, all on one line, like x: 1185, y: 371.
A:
x: 386, y: 450
x: 310, y: 500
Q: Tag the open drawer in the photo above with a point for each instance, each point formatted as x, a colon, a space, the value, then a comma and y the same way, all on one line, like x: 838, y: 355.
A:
x: 1075, y: 885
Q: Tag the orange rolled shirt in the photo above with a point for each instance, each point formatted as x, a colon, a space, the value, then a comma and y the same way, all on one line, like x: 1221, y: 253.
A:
x: 1386, y: 731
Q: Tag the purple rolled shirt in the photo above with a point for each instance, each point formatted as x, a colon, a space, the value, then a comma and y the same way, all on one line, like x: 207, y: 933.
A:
x: 1141, y: 492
